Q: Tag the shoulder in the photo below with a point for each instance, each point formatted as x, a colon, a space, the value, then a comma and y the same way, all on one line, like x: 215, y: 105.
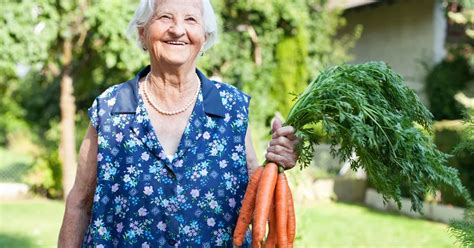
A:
x: 110, y: 92
x: 103, y: 104
x: 108, y: 98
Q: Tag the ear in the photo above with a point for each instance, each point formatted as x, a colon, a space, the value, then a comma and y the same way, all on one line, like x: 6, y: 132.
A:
x: 141, y: 37
x: 141, y: 33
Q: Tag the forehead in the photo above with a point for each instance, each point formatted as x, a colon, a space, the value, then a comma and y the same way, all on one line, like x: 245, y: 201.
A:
x: 180, y: 6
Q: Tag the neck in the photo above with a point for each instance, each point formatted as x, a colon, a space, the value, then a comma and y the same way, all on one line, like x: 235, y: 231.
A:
x: 172, y: 79
x: 178, y: 77
x: 170, y: 85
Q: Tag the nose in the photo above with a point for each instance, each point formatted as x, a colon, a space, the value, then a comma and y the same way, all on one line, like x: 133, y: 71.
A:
x: 177, y: 28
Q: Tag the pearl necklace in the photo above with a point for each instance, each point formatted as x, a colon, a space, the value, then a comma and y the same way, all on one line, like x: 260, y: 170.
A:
x: 155, y: 106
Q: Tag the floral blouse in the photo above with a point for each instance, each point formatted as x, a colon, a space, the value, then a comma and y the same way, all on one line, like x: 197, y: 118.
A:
x: 143, y: 198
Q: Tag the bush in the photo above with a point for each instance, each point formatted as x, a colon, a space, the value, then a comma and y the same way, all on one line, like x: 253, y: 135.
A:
x: 446, y: 140
x: 442, y: 83
x: 45, y: 176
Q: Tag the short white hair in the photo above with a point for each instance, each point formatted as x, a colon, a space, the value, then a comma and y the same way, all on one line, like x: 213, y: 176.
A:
x: 147, y: 8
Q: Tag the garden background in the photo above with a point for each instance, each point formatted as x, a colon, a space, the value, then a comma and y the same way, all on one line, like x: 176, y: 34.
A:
x: 57, y: 56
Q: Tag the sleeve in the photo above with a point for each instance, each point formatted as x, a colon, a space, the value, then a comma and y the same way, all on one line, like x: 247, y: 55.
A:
x: 93, y: 113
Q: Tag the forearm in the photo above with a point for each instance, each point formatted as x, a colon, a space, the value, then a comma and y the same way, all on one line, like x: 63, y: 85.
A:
x: 252, y: 165
x: 251, y: 157
x: 75, y: 222
x: 79, y: 201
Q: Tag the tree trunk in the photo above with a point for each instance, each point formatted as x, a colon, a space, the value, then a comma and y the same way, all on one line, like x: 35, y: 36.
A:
x: 67, y: 147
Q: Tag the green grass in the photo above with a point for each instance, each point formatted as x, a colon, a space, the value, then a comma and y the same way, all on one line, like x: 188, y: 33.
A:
x: 344, y: 225
x: 36, y: 223
x: 30, y: 223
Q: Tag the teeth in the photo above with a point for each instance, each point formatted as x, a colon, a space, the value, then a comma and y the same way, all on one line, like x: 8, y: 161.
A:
x: 176, y: 42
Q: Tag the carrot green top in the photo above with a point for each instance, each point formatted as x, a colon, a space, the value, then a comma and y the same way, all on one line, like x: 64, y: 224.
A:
x: 368, y: 109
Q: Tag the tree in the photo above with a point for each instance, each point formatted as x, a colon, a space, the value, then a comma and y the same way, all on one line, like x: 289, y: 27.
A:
x: 76, y: 44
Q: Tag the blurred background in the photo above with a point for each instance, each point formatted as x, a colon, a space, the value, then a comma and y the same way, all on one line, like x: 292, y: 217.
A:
x: 57, y: 56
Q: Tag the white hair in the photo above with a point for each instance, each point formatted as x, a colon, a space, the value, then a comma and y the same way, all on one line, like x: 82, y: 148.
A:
x: 147, y: 8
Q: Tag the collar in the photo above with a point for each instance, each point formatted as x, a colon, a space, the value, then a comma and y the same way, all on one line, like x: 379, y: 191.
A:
x: 127, y: 95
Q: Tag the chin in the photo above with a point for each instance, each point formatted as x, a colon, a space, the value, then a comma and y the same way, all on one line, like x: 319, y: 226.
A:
x: 170, y: 56
x: 178, y: 60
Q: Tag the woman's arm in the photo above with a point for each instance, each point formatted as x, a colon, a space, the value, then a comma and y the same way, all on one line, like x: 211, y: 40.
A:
x: 79, y: 201
x: 252, y: 162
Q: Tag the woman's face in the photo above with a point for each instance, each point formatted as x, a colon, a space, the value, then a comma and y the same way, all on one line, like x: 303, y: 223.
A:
x: 175, y: 34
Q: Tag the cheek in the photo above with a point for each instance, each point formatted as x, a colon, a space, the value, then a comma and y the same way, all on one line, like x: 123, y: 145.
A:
x: 197, y: 36
x: 154, y: 32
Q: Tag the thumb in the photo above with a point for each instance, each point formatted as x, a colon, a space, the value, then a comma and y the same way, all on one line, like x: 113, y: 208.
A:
x: 276, y: 123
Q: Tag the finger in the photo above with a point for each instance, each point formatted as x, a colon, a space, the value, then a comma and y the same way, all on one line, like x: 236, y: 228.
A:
x: 276, y: 124
x: 287, y: 131
x: 281, y: 150
x: 283, y: 141
x: 275, y: 158
x: 286, y: 163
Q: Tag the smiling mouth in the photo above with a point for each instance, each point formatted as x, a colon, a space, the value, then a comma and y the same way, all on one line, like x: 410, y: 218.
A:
x: 176, y: 43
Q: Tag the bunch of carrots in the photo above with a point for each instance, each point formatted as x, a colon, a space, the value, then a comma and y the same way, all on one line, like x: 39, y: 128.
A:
x: 365, y: 109
x: 268, y: 198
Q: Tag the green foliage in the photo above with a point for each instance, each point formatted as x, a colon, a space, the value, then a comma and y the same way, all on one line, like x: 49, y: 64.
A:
x: 367, y: 109
x: 102, y: 54
x: 451, y: 140
x: 45, y: 175
x: 467, y: 140
x: 34, y: 57
x: 442, y: 83
x: 291, y: 73
x: 463, y: 230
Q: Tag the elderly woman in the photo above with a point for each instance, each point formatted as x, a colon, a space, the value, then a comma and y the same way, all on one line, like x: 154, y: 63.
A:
x: 167, y: 157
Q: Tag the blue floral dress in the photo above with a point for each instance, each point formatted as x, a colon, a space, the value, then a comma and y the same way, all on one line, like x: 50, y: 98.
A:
x: 144, y: 199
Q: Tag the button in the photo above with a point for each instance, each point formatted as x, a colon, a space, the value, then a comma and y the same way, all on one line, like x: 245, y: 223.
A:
x: 171, y: 241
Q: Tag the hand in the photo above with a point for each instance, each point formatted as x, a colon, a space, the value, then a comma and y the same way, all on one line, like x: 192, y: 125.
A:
x: 281, y: 149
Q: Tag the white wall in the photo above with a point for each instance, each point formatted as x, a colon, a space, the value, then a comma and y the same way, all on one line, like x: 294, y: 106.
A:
x: 404, y: 34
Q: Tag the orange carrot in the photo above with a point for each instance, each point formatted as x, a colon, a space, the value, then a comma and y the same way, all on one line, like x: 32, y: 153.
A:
x: 272, y: 235
x: 256, y: 244
x: 291, y: 223
x: 281, y: 209
x: 247, y: 209
x: 266, y: 187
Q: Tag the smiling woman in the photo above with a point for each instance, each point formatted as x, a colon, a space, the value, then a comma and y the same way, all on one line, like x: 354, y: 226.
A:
x: 175, y: 34
x: 167, y: 157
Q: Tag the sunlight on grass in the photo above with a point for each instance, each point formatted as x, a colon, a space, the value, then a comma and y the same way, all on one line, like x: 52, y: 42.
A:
x: 36, y: 223
x: 30, y: 223
x: 345, y: 225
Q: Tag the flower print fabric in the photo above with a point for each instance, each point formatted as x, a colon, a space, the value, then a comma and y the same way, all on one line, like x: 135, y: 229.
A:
x: 145, y: 199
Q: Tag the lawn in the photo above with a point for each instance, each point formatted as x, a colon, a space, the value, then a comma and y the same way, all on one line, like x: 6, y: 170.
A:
x: 35, y: 223
x: 344, y: 225
x: 30, y: 223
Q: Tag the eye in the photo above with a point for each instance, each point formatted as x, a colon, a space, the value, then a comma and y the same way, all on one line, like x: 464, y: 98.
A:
x: 165, y: 17
x: 191, y: 19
